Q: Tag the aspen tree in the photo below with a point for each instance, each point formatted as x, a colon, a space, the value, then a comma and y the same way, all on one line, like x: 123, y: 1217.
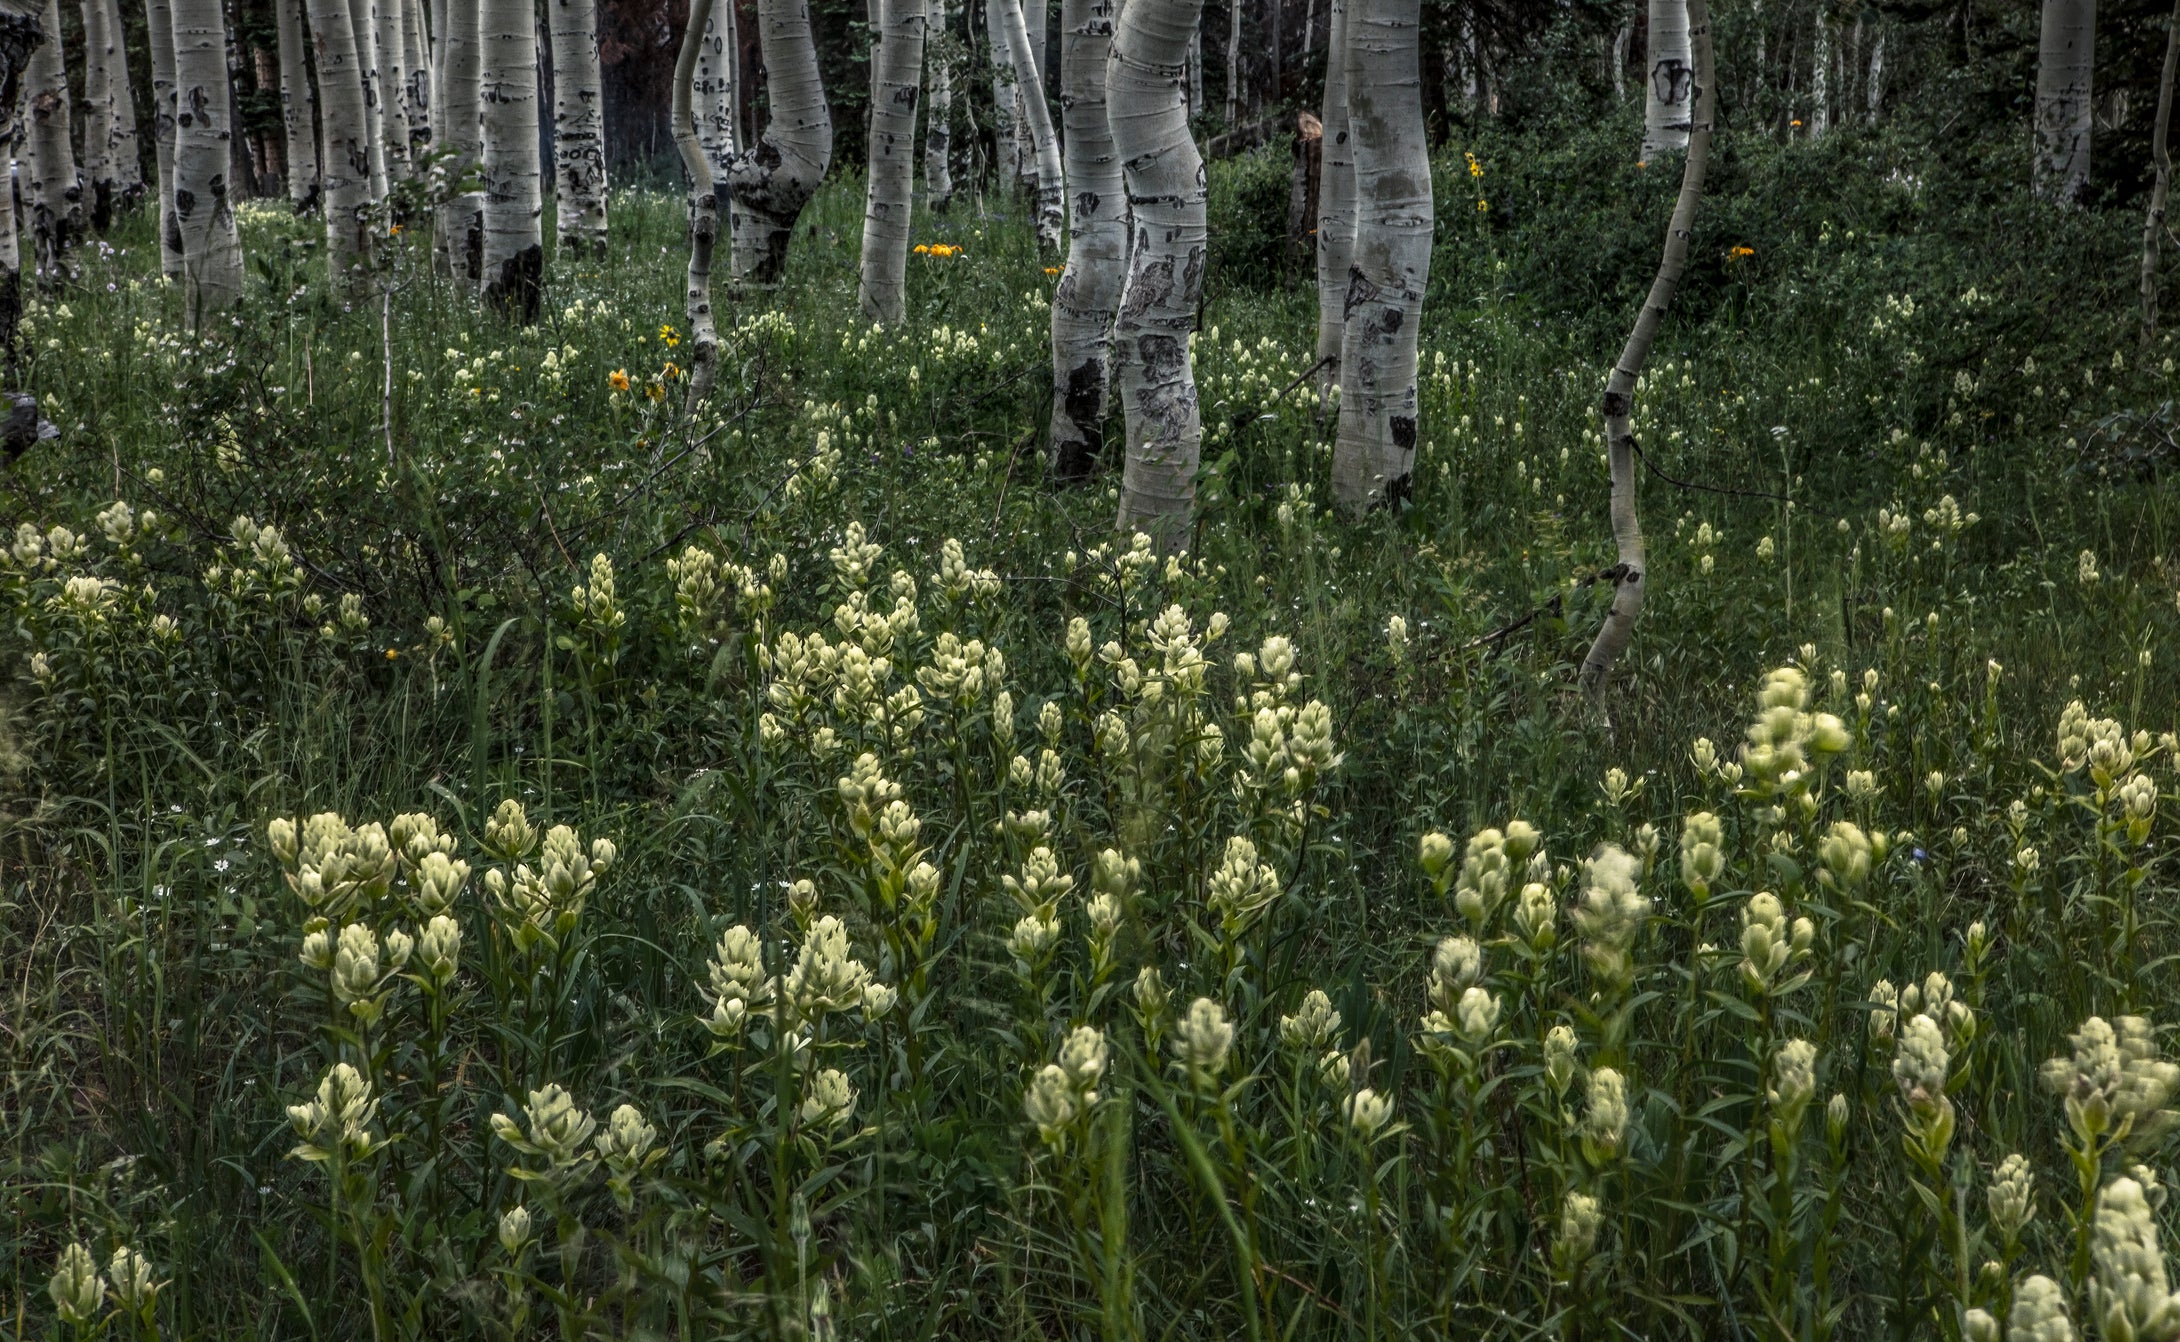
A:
x: 514, y: 239
x: 1146, y: 91
x: 714, y: 89
x: 2153, y: 224
x: 1088, y: 296
x: 344, y: 166
x: 898, y: 70
x: 98, y: 165
x: 389, y: 18
x: 938, y: 137
x: 362, y: 19
x: 204, y: 208
x: 1631, y: 580
x: 703, y: 206
x: 1233, y: 63
x: 1820, y: 74
x: 1666, y: 97
x: 1027, y: 165
x: 1003, y: 99
x: 127, y: 141
x: 1335, y: 203
x: 159, y: 19
x: 18, y: 42
x: 298, y: 111
x: 54, y: 196
x: 2065, y: 61
x: 773, y: 179
x: 579, y: 129
x: 1033, y: 112
x: 1375, y: 447
x: 461, y: 89
x: 416, y: 72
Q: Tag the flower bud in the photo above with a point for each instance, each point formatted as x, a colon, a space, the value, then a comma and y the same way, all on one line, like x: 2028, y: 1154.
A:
x: 1367, y: 1112
x: 75, y: 1288
x: 515, y: 1230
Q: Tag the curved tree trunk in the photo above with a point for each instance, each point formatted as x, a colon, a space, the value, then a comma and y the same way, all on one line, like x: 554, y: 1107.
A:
x: 159, y: 18
x: 461, y: 89
x: 579, y: 128
x: 2066, y: 57
x: 55, y: 196
x: 898, y: 71
x: 1147, y: 101
x: 2153, y: 226
x: 514, y: 238
x: 1026, y: 163
x: 1667, y: 99
x: 1375, y: 449
x: 298, y: 112
x: 773, y: 179
x: 204, y: 209
x: 1097, y: 243
x: 1618, y: 406
x: 344, y: 168
x: 938, y: 136
x: 703, y: 208
x: 1033, y: 111
x: 1335, y: 203
x: 98, y: 113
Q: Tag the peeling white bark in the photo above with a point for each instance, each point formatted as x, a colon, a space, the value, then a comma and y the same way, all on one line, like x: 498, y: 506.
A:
x: 362, y: 18
x: 204, y: 210
x: 1088, y: 296
x: 392, y: 84
x: 1667, y: 98
x: 2066, y: 56
x: 773, y: 179
x: 938, y: 137
x: 713, y: 89
x: 514, y: 238
x: 897, y: 69
x: 1146, y: 90
x: 1374, y: 451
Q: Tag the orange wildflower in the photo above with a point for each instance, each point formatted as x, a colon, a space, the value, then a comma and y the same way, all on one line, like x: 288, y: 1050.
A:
x: 618, y: 379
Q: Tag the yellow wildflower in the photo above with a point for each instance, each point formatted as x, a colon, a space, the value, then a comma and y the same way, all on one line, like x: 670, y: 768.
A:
x: 618, y: 379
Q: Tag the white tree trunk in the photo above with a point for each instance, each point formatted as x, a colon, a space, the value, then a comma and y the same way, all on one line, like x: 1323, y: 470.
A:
x: 1088, y: 297
x: 774, y: 179
x: 1374, y: 452
x: 416, y: 67
x: 1631, y: 580
x: 1665, y: 108
x: 938, y: 136
x: 1026, y: 161
x: 461, y: 90
x: 897, y: 68
x: 392, y: 83
x: 1036, y: 114
x: 1873, y: 85
x: 204, y: 211
x: 11, y: 254
x: 1146, y: 90
x: 55, y: 195
x: 2065, y: 57
x: 298, y: 112
x: 514, y: 239
x: 703, y: 207
x: 362, y: 17
x: 344, y: 161
x: 1335, y: 204
x: 1620, y: 41
x: 1196, y: 67
x: 1010, y: 148
x: 98, y: 113
x: 2153, y: 223
x: 1820, y: 75
x: 127, y: 144
x: 713, y: 89
x: 1233, y: 63
x: 159, y: 18
x: 579, y: 128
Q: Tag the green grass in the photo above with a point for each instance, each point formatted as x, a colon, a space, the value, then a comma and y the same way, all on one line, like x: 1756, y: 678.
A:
x: 410, y: 644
